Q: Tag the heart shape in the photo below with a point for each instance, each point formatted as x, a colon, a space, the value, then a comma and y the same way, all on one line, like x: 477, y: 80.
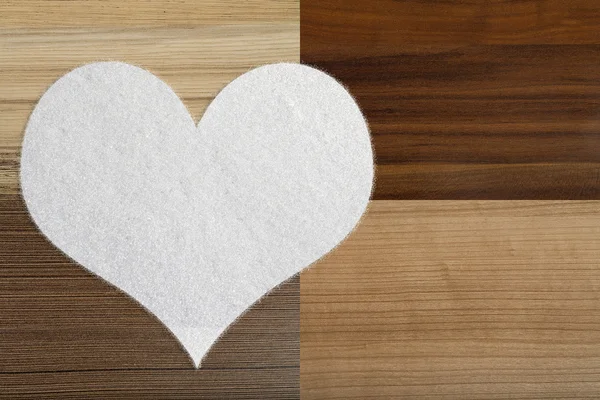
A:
x: 196, y: 223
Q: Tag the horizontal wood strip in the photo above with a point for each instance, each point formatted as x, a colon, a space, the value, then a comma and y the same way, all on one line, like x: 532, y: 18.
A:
x: 151, y: 384
x: 196, y: 62
x: 503, y: 89
x: 567, y: 181
x: 148, y: 13
x: 333, y: 29
x: 484, y: 105
x: 457, y: 299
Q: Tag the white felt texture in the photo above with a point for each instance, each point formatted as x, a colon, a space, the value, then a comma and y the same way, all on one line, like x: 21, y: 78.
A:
x: 196, y: 223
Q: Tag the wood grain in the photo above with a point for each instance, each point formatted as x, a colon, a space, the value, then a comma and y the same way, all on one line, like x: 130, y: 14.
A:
x: 65, y: 333
x: 147, y: 13
x: 457, y: 300
x: 469, y: 99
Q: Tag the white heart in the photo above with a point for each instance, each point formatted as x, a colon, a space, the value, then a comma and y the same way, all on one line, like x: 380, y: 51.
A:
x: 196, y: 223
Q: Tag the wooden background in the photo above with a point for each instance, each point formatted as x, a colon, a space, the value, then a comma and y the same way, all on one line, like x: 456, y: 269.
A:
x: 432, y: 299
x: 469, y: 99
x: 63, y: 332
x: 466, y: 99
x: 457, y: 300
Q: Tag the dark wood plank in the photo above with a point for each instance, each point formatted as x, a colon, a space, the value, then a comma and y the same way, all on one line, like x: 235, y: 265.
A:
x: 65, y: 334
x: 474, y: 181
x: 469, y: 99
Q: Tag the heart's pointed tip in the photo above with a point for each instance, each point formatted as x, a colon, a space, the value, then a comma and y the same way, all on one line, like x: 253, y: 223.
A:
x: 196, y: 358
x: 195, y: 342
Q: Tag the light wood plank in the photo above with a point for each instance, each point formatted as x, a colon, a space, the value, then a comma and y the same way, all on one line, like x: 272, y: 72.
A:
x: 196, y: 62
x: 148, y: 13
x: 457, y: 299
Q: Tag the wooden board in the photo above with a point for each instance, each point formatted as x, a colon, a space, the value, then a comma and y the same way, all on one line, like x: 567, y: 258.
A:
x: 466, y: 99
x: 469, y: 99
x: 457, y: 300
x: 63, y: 332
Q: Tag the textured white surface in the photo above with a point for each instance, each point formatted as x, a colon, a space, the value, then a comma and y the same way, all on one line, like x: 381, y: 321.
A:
x: 196, y: 223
